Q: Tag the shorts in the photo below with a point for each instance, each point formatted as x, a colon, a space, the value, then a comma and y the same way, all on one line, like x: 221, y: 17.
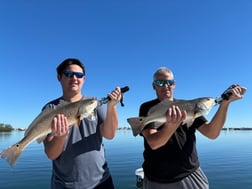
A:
x: 196, y: 180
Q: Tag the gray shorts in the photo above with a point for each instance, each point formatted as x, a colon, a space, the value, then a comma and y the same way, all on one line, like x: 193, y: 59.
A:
x: 196, y: 180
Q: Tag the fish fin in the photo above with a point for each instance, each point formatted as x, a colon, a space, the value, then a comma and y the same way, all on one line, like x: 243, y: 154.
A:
x: 90, y: 115
x: 137, y: 124
x: 157, y: 124
x: 63, y: 102
x: 11, y: 154
x: 188, y: 122
x: 189, y: 119
x: 41, y: 139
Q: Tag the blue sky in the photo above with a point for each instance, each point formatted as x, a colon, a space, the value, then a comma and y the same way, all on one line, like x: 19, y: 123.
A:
x: 207, y: 44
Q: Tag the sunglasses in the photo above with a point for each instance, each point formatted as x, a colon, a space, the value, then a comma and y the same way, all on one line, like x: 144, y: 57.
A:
x: 71, y: 74
x: 160, y: 83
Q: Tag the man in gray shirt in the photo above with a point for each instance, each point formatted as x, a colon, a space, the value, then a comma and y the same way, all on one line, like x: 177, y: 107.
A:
x: 77, y: 152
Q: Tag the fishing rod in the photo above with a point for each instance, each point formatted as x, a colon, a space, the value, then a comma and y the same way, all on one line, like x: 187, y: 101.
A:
x: 106, y: 99
x: 226, y: 94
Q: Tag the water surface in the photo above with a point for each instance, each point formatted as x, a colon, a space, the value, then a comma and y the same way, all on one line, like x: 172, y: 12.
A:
x: 227, y: 161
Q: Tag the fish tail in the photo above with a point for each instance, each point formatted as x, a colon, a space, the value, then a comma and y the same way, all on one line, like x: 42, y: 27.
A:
x: 11, y: 154
x: 137, y: 124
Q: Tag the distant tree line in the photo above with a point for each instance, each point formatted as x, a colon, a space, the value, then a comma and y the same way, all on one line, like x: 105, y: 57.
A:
x: 6, y: 127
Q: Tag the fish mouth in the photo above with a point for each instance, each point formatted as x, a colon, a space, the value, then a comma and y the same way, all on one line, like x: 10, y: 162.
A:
x: 210, y: 102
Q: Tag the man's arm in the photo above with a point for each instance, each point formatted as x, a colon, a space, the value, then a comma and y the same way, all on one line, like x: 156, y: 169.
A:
x: 109, y: 126
x: 213, y: 128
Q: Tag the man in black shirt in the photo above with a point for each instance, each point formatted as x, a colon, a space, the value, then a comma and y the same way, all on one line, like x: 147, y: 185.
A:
x: 170, y: 155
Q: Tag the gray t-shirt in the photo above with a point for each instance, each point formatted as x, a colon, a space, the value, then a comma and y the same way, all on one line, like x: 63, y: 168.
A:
x: 82, y: 164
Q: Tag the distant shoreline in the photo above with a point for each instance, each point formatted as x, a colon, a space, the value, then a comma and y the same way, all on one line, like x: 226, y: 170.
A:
x: 11, y: 129
x: 237, y: 129
x: 224, y: 129
x: 3, y: 129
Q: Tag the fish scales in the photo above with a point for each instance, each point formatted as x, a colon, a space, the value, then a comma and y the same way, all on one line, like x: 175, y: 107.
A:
x: 157, y: 114
x: 40, y: 127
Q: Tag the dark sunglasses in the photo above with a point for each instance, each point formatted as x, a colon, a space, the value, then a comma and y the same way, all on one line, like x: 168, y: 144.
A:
x: 71, y: 74
x: 160, y: 83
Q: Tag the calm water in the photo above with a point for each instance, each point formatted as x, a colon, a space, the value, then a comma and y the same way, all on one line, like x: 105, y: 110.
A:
x: 226, y: 161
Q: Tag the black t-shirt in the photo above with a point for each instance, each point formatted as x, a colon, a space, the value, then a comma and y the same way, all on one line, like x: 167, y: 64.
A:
x: 177, y: 158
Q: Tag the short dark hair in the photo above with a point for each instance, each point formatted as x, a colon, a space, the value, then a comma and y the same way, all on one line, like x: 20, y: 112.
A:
x: 67, y: 62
